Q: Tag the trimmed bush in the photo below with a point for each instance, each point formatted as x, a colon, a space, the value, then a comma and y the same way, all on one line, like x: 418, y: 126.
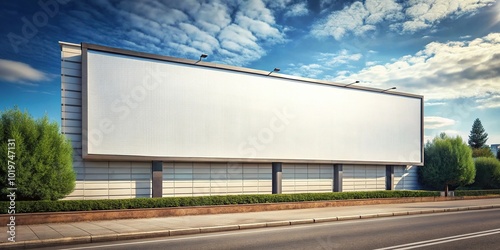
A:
x: 487, y: 173
x: 482, y: 152
x: 448, y: 162
x: 41, y: 158
x: 88, y: 205
x: 477, y: 192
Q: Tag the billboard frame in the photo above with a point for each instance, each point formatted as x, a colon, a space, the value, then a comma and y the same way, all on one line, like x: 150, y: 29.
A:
x: 93, y: 47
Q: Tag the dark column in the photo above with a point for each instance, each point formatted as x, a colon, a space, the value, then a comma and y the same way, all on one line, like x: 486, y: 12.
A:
x: 338, y: 177
x: 389, y: 177
x: 277, y: 177
x: 157, y: 173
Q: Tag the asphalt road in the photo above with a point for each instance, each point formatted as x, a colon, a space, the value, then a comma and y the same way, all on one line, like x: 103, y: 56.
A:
x: 457, y: 230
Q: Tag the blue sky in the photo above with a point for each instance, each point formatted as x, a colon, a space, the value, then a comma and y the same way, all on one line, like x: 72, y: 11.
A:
x: 446, y: 50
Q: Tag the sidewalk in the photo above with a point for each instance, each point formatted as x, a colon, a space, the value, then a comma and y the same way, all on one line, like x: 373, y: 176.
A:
x: 44, y: 235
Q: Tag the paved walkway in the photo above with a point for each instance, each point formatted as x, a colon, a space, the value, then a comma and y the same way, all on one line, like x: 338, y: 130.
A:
x: 97, y: 231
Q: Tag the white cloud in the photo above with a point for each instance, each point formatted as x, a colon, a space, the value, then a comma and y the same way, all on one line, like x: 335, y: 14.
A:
x: 371, y: 63
x: 407, y: 17
x: 426, y: 103
x: 358, y: 18
x: 299, y: 9
x: 278, y: 4
x: 381, y: 10
x: 325, y: 62
x: 306, y: 70
x: 490, y: 100
x: 342, y: 57
x: 350, y: 19
x: 21, y: 73
x: 434, y: 122
x: 425, y: 13
x: 442, y: 70
x: 188, y: 28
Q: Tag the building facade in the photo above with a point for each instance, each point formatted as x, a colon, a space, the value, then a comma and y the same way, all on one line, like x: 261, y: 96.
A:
x: 137, y: 129
x: 494, y: 148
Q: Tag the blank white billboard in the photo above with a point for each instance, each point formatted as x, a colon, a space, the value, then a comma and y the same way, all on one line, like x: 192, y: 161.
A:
x: 135, y: 106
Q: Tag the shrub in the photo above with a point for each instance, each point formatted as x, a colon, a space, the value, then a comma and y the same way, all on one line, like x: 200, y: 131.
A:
x: 43, y: 157
x: 487, y: 173
x: 447, y: 162
x: 87, y: 205
x: 482, y: 152
x: 477, y: 192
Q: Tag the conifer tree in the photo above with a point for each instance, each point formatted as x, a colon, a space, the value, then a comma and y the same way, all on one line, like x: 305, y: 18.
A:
x: 478, y: 136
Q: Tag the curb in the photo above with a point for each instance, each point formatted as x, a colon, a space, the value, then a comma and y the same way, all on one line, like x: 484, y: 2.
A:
x: 190, y: 231
x: 142, y: 213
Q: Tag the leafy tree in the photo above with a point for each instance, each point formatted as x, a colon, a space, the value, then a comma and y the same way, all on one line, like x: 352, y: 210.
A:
x: 447, y: 162
x: 482, y: 152
x: 498, y: 154
x: 477, y: 137
x: 487, y: 173
x: 43, y: 157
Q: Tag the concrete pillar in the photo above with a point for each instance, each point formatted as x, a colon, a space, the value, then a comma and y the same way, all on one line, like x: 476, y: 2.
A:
x: 157, y: 173
x: 389, y: 177
x: 277, y: 177
x: 338, y: 177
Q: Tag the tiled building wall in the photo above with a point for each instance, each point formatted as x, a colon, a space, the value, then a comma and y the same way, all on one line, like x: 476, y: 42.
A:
x: 307, y: 178
x: 94, y: 180
x: 197, y: 179
x: 364, y: 177
x: 406, y: 178
x: 112, y: 180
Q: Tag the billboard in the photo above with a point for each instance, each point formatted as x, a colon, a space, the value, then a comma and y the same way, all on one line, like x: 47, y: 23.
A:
x: 146, y: 107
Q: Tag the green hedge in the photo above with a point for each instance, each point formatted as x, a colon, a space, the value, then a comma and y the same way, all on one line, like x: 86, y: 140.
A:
x: 88, y: 205
x: 477, y: 192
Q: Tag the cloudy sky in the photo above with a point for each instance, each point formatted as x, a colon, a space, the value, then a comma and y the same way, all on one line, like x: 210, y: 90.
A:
x: 446, y: 50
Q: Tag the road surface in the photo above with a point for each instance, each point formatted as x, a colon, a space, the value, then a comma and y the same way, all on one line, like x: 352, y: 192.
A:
x: 479, y: 229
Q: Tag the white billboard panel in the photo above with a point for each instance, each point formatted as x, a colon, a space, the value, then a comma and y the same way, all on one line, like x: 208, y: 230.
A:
x: 181, y: 110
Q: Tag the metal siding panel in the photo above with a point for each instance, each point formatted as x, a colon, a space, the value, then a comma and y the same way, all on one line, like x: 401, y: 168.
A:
x: 97, y: 193
x: 71, y: 94
x: 71, y: 116
x: 201, y: 184
x: 120, y: 185
x: 71, y: 57
x: 76, y: 144
x: 71, y: 80
x: 71, y: 48
x: 71, y: 130
x: 141, y: 167
x: 71, y: 65
x: 71, y: 123
x: 96, y: 164
x: 74, y: 137
x: 71, y: 72
x: 73, y: 109
x: 72, y: 101
x: 72, y: 87
x: 141, y: 176
x: 140, y: 184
